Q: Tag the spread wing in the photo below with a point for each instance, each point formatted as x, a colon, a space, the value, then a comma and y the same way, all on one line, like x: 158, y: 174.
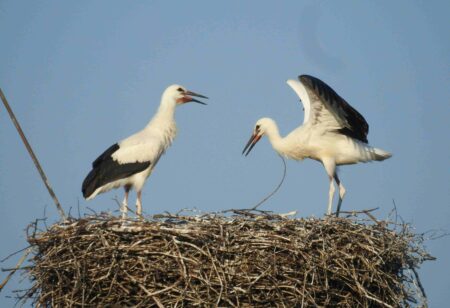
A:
x: 324, y: 107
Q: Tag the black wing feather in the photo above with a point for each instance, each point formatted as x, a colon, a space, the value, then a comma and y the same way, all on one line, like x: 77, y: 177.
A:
x: 106, y: 170
x: 105, y: 155
x: 354, y: 124
x: 110, y: 171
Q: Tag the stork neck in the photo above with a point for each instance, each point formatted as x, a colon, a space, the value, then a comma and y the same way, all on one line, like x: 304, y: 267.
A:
x: 166, y: 110
x: 273, y: 134
x: 165, y: 115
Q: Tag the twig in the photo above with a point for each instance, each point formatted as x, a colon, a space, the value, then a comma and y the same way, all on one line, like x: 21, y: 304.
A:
x: 367, y: 212
x: 12, y: 254
x: 22, y: 259
x: 33, y: 156
x: 276, y: 189
x: 248, y: 212
x: 419, y: 283
x: 78, y: 208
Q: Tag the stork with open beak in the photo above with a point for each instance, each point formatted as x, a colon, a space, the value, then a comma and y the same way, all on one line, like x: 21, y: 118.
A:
x: 128, y: 163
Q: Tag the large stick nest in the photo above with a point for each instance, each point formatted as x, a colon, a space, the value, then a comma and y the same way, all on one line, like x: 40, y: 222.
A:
x: 215, y: 260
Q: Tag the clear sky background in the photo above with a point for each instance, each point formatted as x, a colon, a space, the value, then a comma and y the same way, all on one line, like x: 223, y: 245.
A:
x: 81, y: 75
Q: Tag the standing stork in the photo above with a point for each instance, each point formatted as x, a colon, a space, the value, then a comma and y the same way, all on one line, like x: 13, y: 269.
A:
x: 130, y: 162
x: 333, y: 133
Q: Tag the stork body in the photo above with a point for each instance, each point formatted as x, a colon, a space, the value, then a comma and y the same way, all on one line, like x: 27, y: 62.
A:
x: 332, y: 133
x: 128, y: 163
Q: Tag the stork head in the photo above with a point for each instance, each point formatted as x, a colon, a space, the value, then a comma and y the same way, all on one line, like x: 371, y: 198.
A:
x: 261, y: 128
x: 180, y: 95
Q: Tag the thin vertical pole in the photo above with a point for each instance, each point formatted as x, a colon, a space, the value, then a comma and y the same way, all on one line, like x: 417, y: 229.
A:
x: 33, y: 157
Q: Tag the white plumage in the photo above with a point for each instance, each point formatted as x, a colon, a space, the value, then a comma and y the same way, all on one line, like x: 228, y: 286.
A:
x: 129, y: 162
x: 332, y: 132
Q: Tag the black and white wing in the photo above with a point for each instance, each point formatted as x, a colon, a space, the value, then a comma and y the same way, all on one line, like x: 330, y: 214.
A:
x: 107, y: 168
x: 325, y: 108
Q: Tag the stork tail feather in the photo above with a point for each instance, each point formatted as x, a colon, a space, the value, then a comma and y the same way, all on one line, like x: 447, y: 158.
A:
x: 380, y: 155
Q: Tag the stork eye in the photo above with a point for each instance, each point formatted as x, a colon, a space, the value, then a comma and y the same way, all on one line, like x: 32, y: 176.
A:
x: 180, y: 90
x: 257, y: 127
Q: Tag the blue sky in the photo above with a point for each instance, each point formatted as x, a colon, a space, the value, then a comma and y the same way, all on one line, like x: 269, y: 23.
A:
x: 81, y: 75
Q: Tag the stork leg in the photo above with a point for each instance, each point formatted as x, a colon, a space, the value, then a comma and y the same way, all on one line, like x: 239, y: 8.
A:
x: 124, y: 207
x: 330, y: 196
x: 330, y: 168
x: 139, y: 204
x: 341, y: 193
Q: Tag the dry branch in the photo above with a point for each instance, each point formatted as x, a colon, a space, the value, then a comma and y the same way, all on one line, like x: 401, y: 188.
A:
x: 32, y: 155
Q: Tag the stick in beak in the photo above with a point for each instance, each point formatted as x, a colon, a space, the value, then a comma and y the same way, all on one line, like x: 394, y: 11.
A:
x: 189, y: 97
x: 251, y: 143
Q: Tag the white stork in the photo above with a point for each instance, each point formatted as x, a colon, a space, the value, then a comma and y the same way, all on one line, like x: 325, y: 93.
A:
x: 333, y: 133
x: 129, y: 162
